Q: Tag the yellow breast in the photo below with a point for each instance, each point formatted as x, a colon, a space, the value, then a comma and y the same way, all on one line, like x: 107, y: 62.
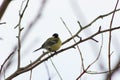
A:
x: 56, y: 46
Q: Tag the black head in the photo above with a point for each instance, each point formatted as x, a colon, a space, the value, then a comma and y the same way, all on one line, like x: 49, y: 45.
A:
x: 55, y: 35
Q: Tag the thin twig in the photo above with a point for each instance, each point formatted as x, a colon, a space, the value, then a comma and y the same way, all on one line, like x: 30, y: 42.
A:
x: 56, y: 69
x: 48, y: 73
x: 21, y: 13
x: 85, y: 71
x: 5, y: 61
x: 109, y: 42
x: 75, y: 41
x: 34, y: 21
x: 88, y: 25
x: 2, y: 23
x: 104, y: 72
x: 30, y: 72
x: 115, y: 69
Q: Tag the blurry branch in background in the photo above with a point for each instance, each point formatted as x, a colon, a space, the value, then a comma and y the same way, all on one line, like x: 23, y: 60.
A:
x: 115, y: 69
x: 56, y: 69
x: 3, y: 65
x: 3, y: 7
x: 1, y: 38
x: 34, y: 21
x: 109, y: 42
x: 2, y: 23
x: 21, y: 13
x: 47, y: 69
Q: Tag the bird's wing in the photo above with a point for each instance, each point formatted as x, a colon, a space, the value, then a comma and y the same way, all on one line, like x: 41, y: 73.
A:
x: 50, y: 42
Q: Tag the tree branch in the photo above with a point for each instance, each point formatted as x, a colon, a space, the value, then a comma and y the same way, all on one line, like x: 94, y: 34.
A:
x: 85, y: 70
x: 97, y: 18
x: 109, y: 42
x: 21, y: 13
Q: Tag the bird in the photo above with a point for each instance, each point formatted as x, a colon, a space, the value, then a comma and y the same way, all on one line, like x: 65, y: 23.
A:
x: 52, y: 44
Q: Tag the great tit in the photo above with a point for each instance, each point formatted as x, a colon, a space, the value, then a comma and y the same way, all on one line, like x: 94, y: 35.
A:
x: 52, y: 44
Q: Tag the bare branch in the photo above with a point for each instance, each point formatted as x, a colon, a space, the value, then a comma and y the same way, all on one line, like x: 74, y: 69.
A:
x: 21, y: 13
x: 85, y: 71
x: 115, y: 69
x: 75, y: 41
x: 30, y: 72
x: 109, y: 42
x: 56, y: 69
x: 2, y: 23
x: 5, y: 62
x: 48, y: 73
x: 81, y: 28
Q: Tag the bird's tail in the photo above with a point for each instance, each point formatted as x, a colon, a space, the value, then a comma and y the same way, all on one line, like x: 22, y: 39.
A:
x: 37, y: 49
